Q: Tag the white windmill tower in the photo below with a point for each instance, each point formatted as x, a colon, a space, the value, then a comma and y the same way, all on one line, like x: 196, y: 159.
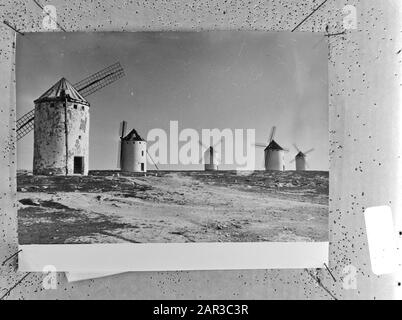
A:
x: 61, y: 131
x: 132, y: 152
x: 300, y: 158
x: 274, y: 154
x: 60, y: 121
x: 210, y: 157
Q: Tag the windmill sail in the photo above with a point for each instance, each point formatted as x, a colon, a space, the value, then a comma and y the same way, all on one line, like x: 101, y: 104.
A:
x: 99, y: 79
x: 85, y: 87
x: 122, y: 133
x: 152, y: 160
x: 25, y: 124
x: 272, y: 135
x: 296, y: 147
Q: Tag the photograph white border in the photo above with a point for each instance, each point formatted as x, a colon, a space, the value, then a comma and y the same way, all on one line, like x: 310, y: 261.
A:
x: 124, y: 257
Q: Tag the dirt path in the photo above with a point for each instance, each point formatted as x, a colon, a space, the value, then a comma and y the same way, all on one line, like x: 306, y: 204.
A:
x: 174, y: 207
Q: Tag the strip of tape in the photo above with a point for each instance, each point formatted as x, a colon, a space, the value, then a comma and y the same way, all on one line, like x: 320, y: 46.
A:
x: 382, y: 240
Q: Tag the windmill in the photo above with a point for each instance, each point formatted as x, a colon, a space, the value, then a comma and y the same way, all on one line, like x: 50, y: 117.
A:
x: 85, y: 87
x: 300, y: 158
x: 273, y: 153
x: 210, y: 157
x: 60, y: 122
x: 132, y: 151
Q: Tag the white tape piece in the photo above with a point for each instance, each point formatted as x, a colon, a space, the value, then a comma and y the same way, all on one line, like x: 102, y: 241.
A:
x: 49, y: 21
x: 350, y: 17
x: 382, y: 240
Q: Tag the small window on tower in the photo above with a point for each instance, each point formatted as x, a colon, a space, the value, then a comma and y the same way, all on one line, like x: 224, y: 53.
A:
x: 82, y: 108
x: 142, y: 153
x: 75, y: 106
x: 79, y: 137
x: 52, y: 105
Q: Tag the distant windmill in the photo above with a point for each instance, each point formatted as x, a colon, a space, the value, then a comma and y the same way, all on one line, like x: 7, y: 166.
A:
x: 273, y: 153
x: 300, y: 158
x: 210, y: 157
x: 61, y: 126
x: 132, y: 151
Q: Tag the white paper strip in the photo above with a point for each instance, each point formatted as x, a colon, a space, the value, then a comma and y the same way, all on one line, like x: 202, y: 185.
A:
x: 73, y: 276
x: 381, y: 239
x: 114, y: 258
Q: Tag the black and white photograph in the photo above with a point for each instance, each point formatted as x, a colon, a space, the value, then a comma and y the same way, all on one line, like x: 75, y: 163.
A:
x: 201, y: 157
x: 172, y: 137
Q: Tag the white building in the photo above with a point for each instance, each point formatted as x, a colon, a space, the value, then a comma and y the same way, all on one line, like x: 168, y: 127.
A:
x: 274, y: 156
x: 133, y: 153
x: 300, y: 160
x: 61, y: 132
x: 210, y: 160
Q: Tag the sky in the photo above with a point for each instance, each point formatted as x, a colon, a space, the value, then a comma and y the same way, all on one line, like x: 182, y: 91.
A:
x: 203, y: 80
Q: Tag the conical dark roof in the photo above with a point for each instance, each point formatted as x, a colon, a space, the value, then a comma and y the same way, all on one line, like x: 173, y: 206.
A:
x: 62, y: 90
x: 273, y: 146
x: 300, y: 155
x: 132, y: 136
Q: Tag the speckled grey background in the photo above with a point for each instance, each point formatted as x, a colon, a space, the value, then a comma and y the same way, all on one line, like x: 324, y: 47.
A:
x: 365, y: 82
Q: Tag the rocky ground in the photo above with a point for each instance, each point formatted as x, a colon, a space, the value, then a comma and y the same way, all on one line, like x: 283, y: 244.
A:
x: 173, y: 206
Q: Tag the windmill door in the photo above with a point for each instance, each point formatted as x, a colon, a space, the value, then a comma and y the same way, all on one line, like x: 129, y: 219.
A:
x: 78, y: 165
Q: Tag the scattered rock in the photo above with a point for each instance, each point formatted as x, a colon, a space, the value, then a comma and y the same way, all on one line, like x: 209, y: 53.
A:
x: 53, y: 205
x: 236, y: 225
x: 30, y: 202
